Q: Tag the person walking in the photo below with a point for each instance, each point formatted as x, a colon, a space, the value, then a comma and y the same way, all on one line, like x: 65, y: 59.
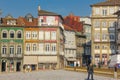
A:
x: 90, y: 71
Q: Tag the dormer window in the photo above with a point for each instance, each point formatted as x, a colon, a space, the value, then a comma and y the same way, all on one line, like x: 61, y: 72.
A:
x: 29, y: 17
x: 11, y: 22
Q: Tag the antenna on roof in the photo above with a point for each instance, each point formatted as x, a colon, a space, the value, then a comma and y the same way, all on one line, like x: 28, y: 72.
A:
x: 39, y: 8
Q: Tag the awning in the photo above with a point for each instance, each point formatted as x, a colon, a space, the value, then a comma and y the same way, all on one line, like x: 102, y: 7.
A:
x: 30, y: 60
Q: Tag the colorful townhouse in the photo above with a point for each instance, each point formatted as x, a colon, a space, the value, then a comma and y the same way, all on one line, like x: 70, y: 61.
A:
x: 11, y: 45
x: 51, y: 40
x: 43, y: 40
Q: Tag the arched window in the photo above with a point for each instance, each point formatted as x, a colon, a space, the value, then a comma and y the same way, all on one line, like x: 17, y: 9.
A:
x: 11, y: 34
x: 11, y: 49
x: 4, y: 49
x: 19, y: 34
x: 4, y: 34
x: 19, y: 49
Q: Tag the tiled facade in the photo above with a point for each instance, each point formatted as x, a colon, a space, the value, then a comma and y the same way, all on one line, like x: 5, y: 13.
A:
x: 70, y: 47
x: 11, y: 46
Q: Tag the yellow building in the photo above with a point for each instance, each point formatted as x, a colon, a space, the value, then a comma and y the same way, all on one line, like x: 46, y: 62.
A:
x: 103, y: 30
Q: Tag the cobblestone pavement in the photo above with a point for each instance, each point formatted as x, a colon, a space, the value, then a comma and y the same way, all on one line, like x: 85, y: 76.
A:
x: 49, y: 75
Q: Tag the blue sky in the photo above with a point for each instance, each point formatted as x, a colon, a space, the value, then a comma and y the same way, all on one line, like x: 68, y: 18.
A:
x: 63, y: 7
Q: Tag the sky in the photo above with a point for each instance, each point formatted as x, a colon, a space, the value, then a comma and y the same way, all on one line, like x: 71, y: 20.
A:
x: 18, y: 8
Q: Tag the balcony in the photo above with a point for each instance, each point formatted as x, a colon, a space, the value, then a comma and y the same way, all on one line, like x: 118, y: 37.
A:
x: 3, y: 55
x: 12, y: 55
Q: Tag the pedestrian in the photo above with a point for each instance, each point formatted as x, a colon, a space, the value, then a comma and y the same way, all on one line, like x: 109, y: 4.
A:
x: 90, y: 71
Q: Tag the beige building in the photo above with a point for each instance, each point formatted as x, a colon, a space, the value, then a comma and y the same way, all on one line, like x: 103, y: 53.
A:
x: 103, y: 30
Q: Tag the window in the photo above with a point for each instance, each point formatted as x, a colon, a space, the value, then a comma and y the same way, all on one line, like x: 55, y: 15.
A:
x: 97, y: 59
x: 41, y: 47
x: 34, y: 35
x: 104, y: 36
x: 97, y: 47
x: 47, y: 47
x: 111, y: 24
x: 104, y: 12
x: 104, y: 24
x: 28, y: 47
x: 47, y: 35
x: 50, y: 20
x: 4, y: 34
x: 112, y: 10
x: 53, y: 35
x: 11, y: 34
x: 34, y: 47
x: 28, y: 34
x: 96, y: 24
x: 11, y: 49
x: 11, y: 67
x: 41, y: 35
x: 104, y: 46
x: 104, y: 59
x: 4, y: 49
x: 97, y: 11
x: 112, y: 47
x: 112, y: 36
x: 19, y: 49
x: 19, y: 35
x: 30, y: 19
x: 53, y: 47
x: 97, y: 36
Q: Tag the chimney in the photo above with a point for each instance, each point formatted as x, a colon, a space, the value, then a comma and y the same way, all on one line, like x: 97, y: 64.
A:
x: 39, y: 8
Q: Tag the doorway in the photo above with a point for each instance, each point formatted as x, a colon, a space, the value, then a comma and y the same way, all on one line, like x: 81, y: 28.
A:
x: 3, y: 66
x: 18, y: 66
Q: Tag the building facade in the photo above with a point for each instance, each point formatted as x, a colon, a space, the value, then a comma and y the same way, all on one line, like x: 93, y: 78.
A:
x: 74, y: 22
x: 80, y: 44
x: 70, y: 47
x: 103, y: 30
x: 117, y: 28
x: 51, y: 39
x: 11, y: 45
x: 87, y: 32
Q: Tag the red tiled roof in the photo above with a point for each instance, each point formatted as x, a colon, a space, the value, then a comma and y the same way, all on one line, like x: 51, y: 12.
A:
x: 24, y: 22
x: 73, y: 22
x: 67, y: 28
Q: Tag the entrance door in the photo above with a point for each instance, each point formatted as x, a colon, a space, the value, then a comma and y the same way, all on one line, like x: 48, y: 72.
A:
x: 18, y: 66
x: 3, y: 66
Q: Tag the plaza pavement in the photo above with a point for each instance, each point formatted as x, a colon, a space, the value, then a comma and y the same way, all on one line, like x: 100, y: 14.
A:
x: 49, y: 75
